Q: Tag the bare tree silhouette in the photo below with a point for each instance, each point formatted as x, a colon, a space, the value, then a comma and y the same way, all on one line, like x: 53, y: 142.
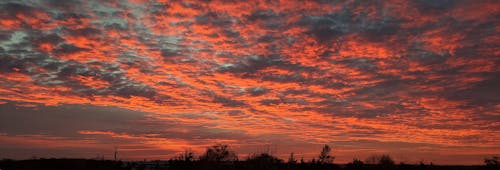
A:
x: 291, y: 159
x: 385, y: 160
x: 218, y: 153
x: 356, y: 163
x: 187, y: 156
x: 324, y: 156
x: 373, y: 159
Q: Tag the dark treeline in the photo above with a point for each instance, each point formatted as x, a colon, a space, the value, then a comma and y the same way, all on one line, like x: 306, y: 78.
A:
x: 220, y: 157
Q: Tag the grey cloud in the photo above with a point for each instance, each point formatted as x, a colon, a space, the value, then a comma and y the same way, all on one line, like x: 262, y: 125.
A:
x: 61, y: 71
x: 284, y: 100
x: 68, y: 49
x: 63, y: 16
x: 167, y: 53
x: 48, y: 120
x: 267, y: 39
x: 269, y: 19
x: 64, y: 120
x: 236, y: 113
x: 435, y: 7
x: 49, y: 38
x: 332, y: 26
x: 116, y: 26
x: 251, y: 64
x: 480, y: 94
x: 225, y: 101
x: 359, y: 63
x: 5, y: 35
x: 215, y: 19
x: 262, y: 15
x: 230, y: 33
x: 11, y: 9
x: 257, y: 91
x: 66, y: 5
x: 85, y: 32
x: 130, y: 88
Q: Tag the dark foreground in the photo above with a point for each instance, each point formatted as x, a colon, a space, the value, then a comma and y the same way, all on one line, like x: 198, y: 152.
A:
x: 86, y: 164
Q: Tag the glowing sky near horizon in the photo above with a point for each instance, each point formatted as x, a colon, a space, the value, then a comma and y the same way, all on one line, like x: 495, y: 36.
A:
x: 419, y: 80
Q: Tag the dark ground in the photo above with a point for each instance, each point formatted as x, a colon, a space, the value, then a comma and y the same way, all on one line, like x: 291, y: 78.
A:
x: 88, y: 164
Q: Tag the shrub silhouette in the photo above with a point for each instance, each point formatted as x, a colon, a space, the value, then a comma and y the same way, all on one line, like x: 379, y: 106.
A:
x: 355, y: 164
x: 264, y: 158
x: 491, y: 162
x: 218, y: 153
x: 263, y: 161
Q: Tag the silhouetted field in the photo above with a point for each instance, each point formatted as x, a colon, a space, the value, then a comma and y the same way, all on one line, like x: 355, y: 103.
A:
x: 219, y: 157
x: 86, y: 164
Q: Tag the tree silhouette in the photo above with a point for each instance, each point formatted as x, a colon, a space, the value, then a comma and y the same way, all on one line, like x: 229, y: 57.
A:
x: 264, y: 158
x: 187, y: 156
x: 263, y: 161
x: 386, y: 160
x: 219, y: 157
x: 355, y: 164
x: 492, y: 162
x: 373, y: 159
x: 218, y: 153
x: 324, y: 156
x: 291, y: 159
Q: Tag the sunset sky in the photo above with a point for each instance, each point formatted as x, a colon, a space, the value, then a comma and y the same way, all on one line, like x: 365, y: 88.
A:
x: 419, y: 79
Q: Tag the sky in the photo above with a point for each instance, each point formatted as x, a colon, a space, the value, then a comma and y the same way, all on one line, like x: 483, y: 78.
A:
x: 418, y: 80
